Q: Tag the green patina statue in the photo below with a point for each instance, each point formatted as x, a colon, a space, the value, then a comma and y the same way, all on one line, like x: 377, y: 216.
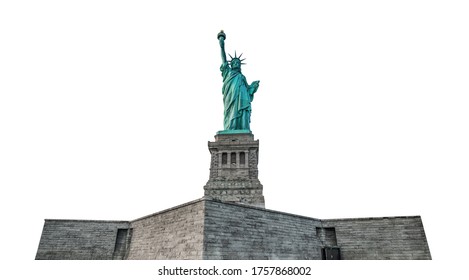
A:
x: 237, y: 93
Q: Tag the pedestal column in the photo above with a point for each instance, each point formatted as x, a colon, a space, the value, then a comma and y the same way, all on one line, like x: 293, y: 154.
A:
x: 235, y: 182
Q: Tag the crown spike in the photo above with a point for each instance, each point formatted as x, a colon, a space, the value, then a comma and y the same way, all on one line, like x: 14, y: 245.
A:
x: 231, y: 56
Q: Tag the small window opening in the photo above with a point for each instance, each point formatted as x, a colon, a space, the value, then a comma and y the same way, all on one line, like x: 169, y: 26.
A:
x: 233, y: 158
x: 224, y: 158
x: 242, y: 158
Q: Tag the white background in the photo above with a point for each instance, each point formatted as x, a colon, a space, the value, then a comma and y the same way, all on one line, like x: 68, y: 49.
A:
x: 106, y: 108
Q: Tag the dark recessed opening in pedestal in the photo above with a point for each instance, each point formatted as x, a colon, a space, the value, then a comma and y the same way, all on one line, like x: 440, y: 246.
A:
x: 242, y: 158
x: 224, y: 158
x: 233, y: 158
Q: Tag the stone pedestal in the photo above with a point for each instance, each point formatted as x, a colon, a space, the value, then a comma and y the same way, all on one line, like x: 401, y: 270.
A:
x: 233, y: 169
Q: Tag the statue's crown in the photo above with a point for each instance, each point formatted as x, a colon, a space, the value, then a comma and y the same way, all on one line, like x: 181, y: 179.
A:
x: 237, y: 58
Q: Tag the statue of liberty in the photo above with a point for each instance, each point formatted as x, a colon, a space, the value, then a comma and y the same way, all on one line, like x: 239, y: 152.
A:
x: 237, y: 93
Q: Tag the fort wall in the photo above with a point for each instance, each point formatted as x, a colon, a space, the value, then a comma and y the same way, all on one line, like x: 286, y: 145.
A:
x: 244, y: 232
x: 81, y: 240
x: 211, y: 229
x: 387, y: 238
x: 175, y: 234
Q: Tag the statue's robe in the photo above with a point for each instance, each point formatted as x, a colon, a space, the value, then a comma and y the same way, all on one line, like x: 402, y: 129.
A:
x: 237, y: 97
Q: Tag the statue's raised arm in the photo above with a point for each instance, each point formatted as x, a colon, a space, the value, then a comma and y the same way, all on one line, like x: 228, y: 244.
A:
x: 221, y: 39
x: 237, y: 93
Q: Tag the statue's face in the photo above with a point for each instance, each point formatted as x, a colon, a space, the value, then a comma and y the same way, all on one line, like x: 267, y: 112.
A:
x: 235, y: 64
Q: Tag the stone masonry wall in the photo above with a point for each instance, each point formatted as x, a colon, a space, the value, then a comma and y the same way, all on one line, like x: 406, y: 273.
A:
x: 174, y: 234
x: 210, y: 229
x: 78, y: 239
x: 244, y: 232
x: 388, y: 238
